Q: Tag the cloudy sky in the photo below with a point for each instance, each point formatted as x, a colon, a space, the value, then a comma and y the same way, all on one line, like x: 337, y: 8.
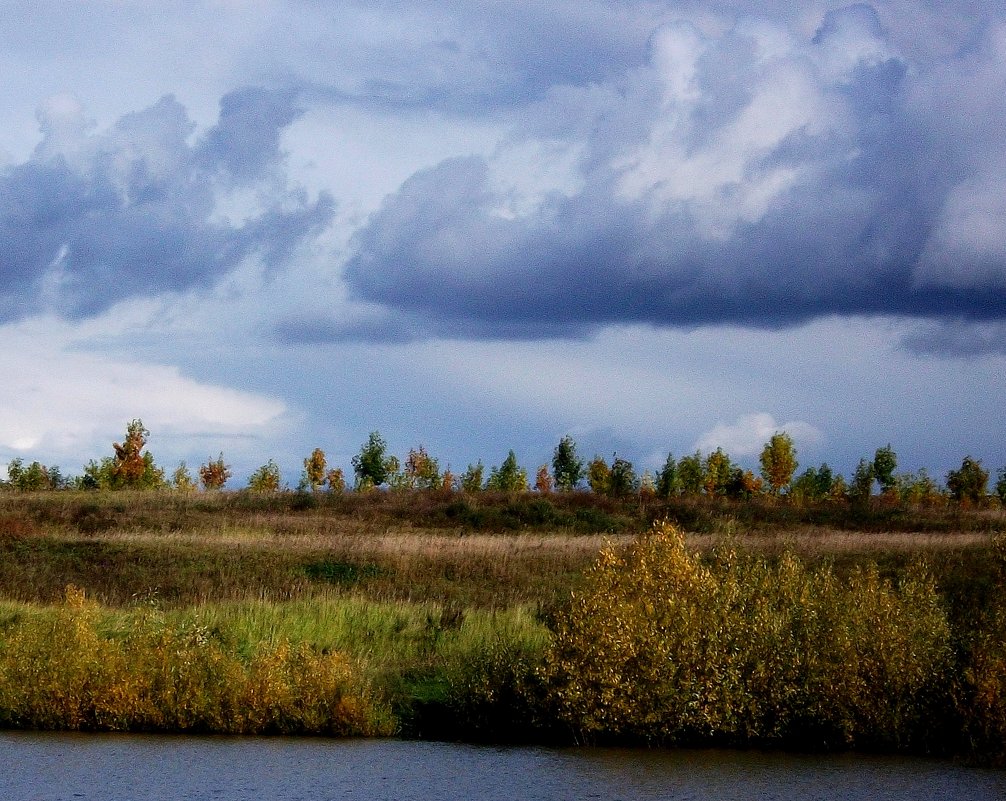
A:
x: 264, y: 226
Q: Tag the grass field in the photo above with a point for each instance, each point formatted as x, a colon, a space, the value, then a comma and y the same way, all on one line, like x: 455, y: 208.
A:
x: 431, y: 614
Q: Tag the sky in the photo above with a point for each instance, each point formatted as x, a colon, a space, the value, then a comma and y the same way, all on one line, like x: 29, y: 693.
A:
x: 266, y: 226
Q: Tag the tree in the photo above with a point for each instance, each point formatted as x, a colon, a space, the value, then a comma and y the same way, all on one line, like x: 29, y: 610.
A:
x: 778, y: 462
x: 129, y: 466
x: 862, y: 481
x: 395, y: 475
x: 1001, y: 484
x: 543, y: 481
x: 667, y: 478
x: 422, y: 471
x: 371, y: 463
x: 885, y: 462
x: 36, y: 477
x: 182, y: 479
x: 336, y: 480
x: 813, y: 484
x: 266, y: 478
x: 839, y: 489
x: 599, y: 476
x: 508, y: 477
x: 743, y: 483
x: 314, y: 469
x: 969, y: 484
x: 647, y: 485
x: 716, y: 472
x: 622, y: 478
x: 917, y: 488
x: 690, y: 474
x: 566, y: 467
x: 471, y: 479
x: 214, y: 474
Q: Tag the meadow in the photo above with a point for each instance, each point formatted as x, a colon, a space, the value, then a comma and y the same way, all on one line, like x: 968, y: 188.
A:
x: 506, y: 617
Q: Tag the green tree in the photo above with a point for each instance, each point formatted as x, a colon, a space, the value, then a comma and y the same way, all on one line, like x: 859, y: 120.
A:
x: 1001, y: 484
x: 567, y: 468
x: 862, y: 481
x: 813, y: 484
x: 885, y: 462
x: 214, y: 474
x: 690, y: 474
x: 667, y: 478
x: 917, y: 488
x: 266, y: 478
x: 599, y: 476
x: 778, y: 462
x: 622, y: 478
x: 508, y: 477
x: 314, y: 469
x: 371, y: 463
x: 471, y: 479
x: 970, y: 483
x: 36, y: 477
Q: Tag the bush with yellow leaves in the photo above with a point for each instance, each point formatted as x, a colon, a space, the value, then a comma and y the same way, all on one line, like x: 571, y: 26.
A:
x: 666, y: 646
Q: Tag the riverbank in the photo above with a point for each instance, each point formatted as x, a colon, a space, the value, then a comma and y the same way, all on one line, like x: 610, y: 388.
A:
x: 431, y: 627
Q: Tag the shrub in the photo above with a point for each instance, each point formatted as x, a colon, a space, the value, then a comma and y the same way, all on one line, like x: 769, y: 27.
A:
x: 664, y: 647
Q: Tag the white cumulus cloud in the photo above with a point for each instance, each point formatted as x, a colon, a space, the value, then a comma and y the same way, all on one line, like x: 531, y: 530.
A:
x: 748, y: 435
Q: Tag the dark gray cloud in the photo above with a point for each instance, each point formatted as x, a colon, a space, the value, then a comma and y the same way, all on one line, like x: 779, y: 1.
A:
x: 958, y: 339
x: 752, y: 177
x: 92, y: 218
x: 245, y: 141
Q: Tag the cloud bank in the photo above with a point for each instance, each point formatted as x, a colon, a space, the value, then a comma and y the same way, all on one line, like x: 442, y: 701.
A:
x: 754, y: 176
x: 92, y: 218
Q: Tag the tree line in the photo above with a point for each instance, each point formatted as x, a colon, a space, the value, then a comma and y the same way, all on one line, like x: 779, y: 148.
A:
x: 131, y: 466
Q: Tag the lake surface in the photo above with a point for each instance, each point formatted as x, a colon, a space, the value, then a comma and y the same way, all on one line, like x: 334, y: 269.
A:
x: 45, y: 767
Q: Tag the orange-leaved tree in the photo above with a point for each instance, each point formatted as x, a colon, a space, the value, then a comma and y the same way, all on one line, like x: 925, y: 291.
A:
x: 214, y: 474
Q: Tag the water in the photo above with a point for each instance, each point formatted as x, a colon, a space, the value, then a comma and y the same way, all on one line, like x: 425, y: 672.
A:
x: 46, y: 767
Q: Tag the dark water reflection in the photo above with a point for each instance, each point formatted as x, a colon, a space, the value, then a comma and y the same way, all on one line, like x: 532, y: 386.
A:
x: 44, y: 767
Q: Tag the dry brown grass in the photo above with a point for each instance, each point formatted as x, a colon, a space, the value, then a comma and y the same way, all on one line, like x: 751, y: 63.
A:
x: 195, y: 548
x: 817, y: 542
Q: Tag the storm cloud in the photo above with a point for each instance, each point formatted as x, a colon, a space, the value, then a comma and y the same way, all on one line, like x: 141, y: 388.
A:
x: 755, y: 176
x: 92, y: 218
